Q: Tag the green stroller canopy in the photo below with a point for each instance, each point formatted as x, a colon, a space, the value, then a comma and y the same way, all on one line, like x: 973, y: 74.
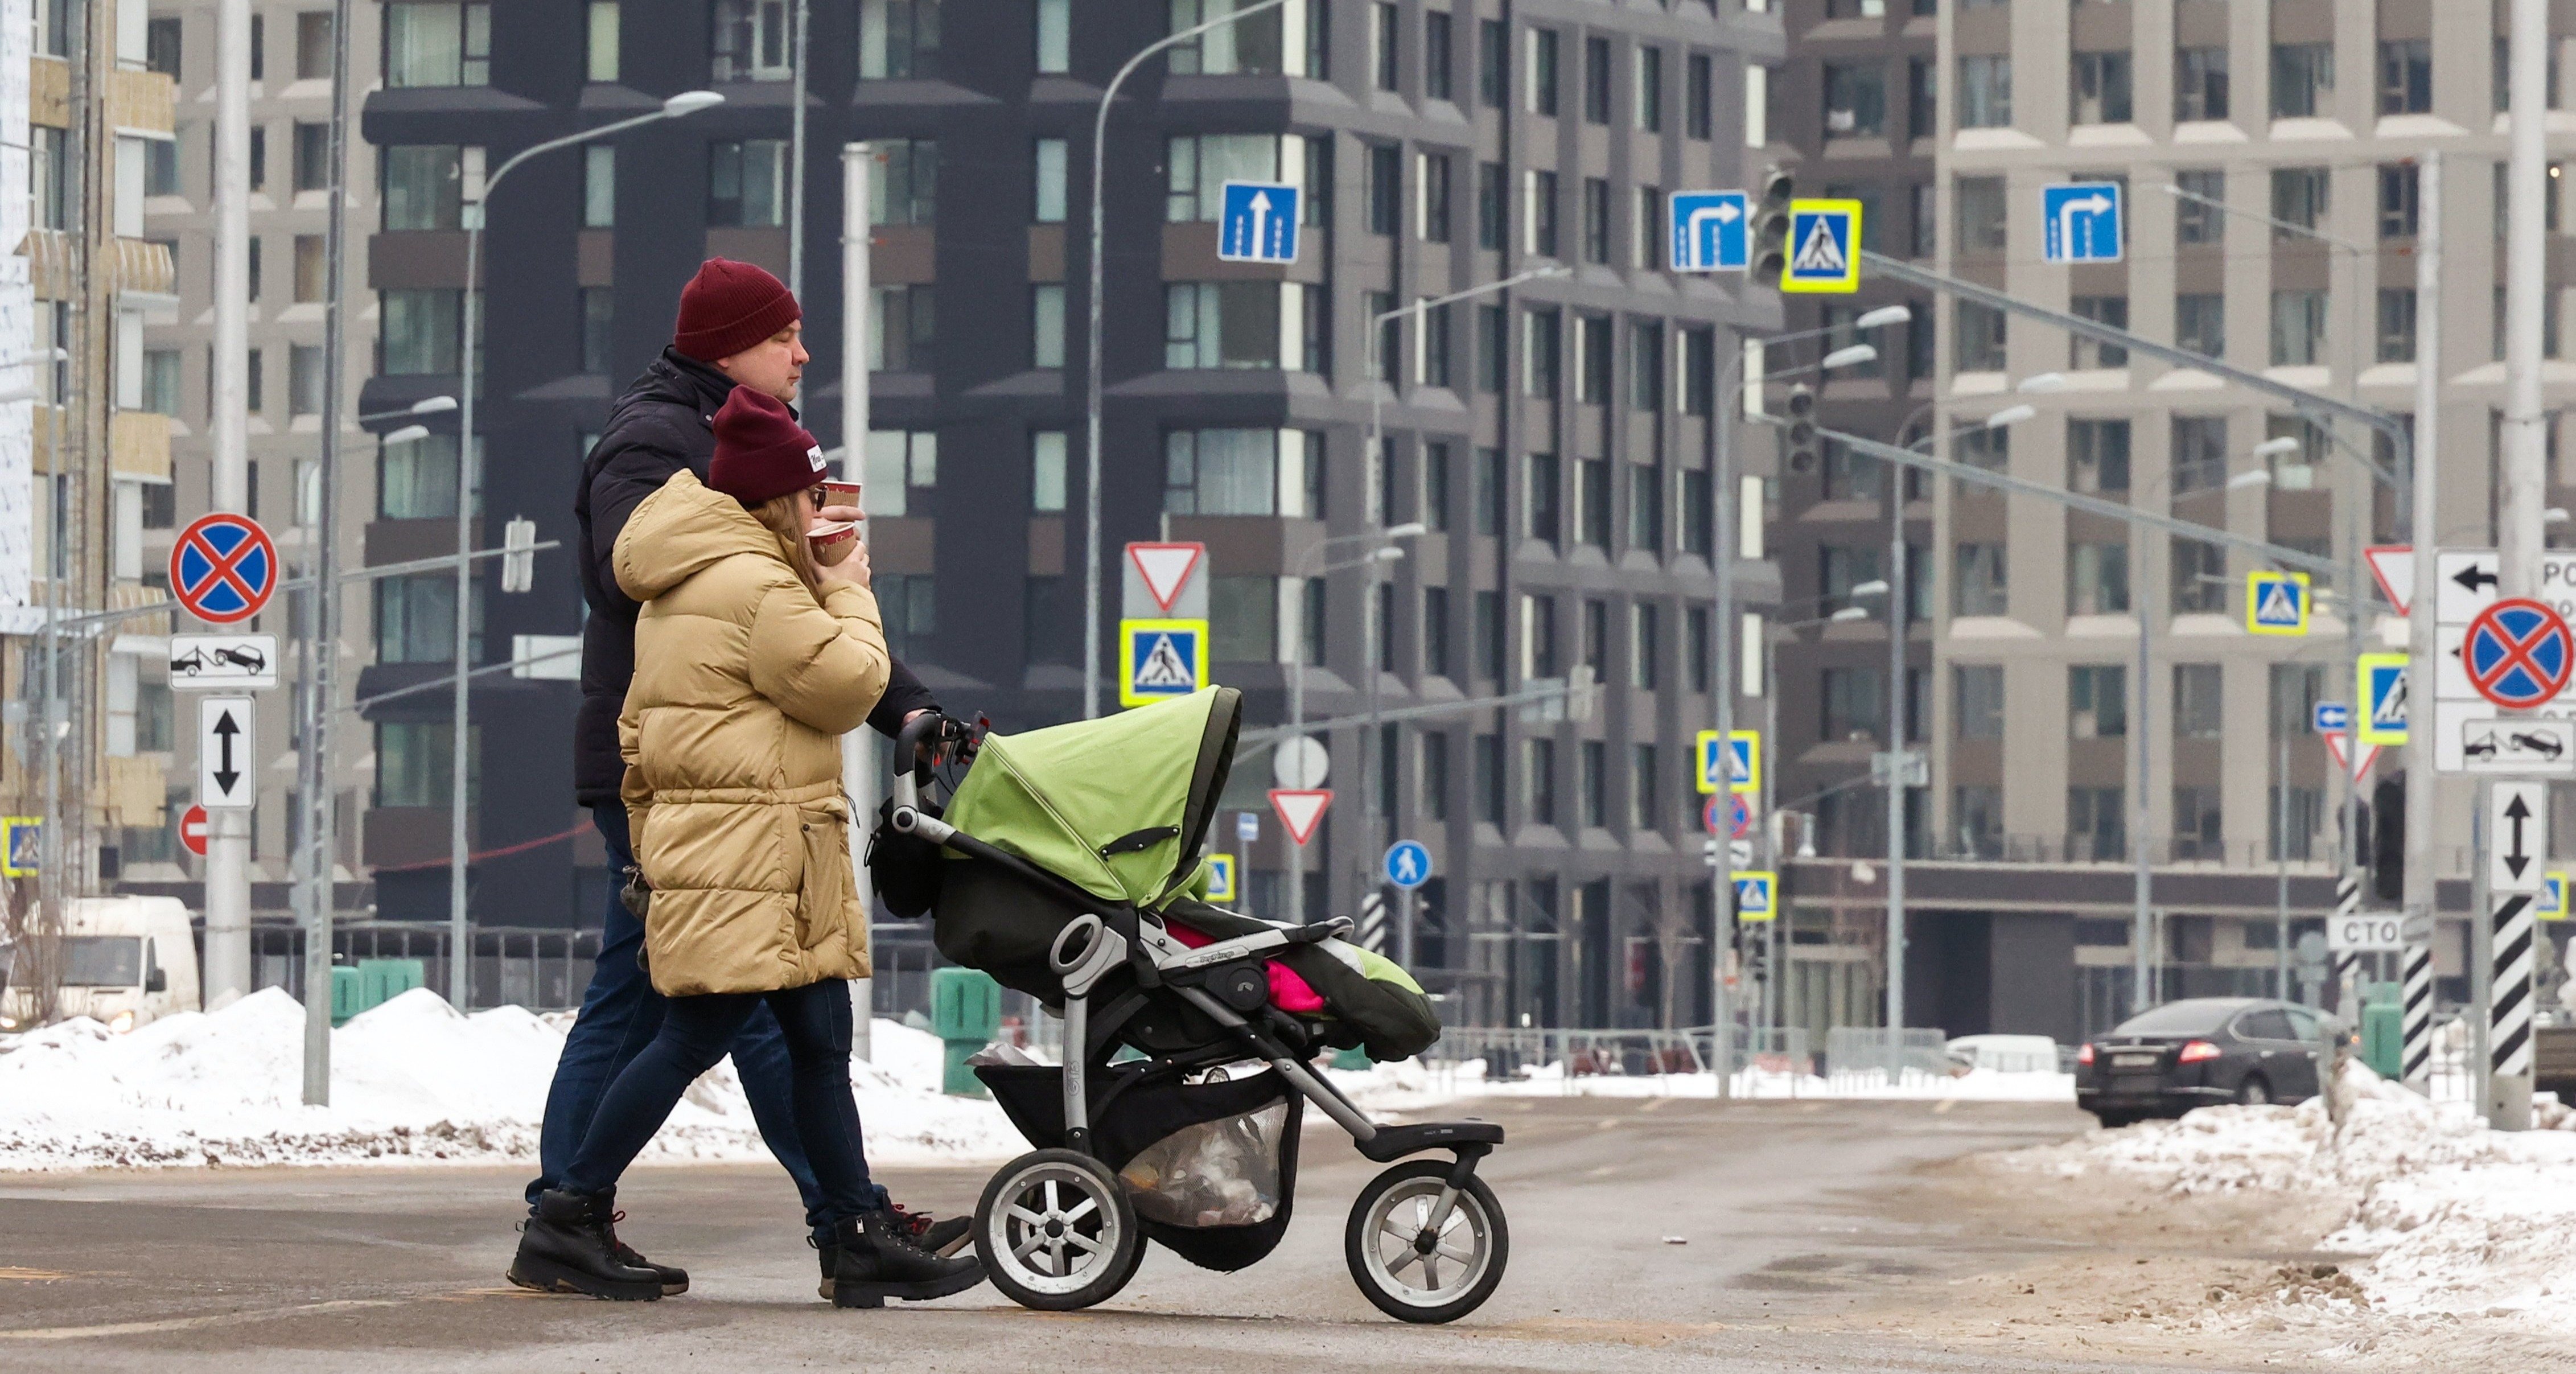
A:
x: 1118, y: 805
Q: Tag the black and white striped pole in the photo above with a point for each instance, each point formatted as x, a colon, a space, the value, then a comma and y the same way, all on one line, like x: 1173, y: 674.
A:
x: 2517, y: 827
x: 2415, y: 1061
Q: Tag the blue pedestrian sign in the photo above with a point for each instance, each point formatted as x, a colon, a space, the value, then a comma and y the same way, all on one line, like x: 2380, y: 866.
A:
x: 1220, y: 887
x: 1824, y: 247
x: 1259, y: 223
x: 2332, y: 718
x: 1160, y: 659
x: 1754, y: 896
x: 2381, y: 684
x: 2080, y: 222
x: 1745, y: 775
x: 2276, y: 603
x: 1712, y: 231
x: 1408, y: 864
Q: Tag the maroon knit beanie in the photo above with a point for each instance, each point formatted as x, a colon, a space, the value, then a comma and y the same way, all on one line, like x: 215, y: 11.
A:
x: 729, y: 306
x: 761, y: 452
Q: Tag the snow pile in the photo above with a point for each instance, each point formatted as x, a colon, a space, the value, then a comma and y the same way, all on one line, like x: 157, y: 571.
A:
x: 2459, y: 1222
x: 411, y: 1080
x: 1474, y: 1077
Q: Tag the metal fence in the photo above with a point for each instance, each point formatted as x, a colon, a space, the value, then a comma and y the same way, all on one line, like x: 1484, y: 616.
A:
x: 540, y: 968
x: 1874, y: 1056
x: 1758, y: 1058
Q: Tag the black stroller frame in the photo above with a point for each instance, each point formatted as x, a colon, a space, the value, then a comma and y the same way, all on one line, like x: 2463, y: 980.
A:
x: 1411, y: 1218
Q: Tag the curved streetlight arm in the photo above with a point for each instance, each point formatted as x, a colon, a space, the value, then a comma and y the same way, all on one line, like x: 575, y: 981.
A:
x: 493, y: 181
x: 2259, y: 217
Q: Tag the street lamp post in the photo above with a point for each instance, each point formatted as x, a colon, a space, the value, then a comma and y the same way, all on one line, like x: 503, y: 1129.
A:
x: 1296, y: 740
x: 460, y: 958
x: 1091, y: 538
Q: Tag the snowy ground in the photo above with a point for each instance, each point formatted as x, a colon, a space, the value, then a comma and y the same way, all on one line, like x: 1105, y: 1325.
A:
x: 1444, y: 1081
x: 2466, y: 1236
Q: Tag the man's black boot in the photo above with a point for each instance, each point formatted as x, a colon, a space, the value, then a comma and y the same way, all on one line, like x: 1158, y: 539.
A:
x: 570, y: 1246
x: 877, y: 1256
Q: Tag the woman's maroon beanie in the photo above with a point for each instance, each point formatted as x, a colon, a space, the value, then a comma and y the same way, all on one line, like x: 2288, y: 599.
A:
x: 761, y: 452
x: 729, y: 306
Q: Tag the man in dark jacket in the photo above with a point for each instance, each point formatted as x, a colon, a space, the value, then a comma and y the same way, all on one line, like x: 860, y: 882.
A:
x: 738, y: 325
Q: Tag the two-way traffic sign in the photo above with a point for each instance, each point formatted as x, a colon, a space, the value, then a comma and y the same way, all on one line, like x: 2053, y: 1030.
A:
x: 224, y: 753
x: 1712, y: 231
x: 2517, y: 836
x: 2080, y: 222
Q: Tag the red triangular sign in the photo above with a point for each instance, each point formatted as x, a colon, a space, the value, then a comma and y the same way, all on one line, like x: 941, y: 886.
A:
x: 2394, y: 567
x: 1166, y: 569
x: 1301, y: 810
x: 2339, y: 746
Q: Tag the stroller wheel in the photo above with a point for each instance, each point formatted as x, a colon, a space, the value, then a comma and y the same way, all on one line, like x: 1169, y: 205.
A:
x: 1412, y: 1269
x: 1056, y: 1232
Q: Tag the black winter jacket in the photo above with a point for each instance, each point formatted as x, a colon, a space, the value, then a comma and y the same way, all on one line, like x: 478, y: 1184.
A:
x: 664, y: 422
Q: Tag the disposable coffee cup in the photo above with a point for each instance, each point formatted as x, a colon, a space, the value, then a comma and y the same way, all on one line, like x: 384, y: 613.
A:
x: 831, y: 537
x: 842, y: 493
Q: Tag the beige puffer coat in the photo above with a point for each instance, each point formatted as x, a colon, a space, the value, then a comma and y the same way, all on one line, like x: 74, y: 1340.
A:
x: 744, y: 683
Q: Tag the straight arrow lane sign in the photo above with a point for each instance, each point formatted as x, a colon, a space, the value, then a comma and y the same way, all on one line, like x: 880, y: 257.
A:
x: 225, y: 751
x: 2517, y: 837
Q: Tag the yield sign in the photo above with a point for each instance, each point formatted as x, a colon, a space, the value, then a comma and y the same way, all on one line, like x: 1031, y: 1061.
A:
x: 1300, y: 809
x: 2340, y: 746
x: 223, y: 568
x: 2393, y: 566
x: 1166, y: 569
x: 2518, y: 653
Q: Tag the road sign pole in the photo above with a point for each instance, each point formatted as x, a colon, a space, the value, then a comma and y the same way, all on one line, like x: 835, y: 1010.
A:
x: 859, y: 769
x: 2420, y: 904
x: 2481, y: 953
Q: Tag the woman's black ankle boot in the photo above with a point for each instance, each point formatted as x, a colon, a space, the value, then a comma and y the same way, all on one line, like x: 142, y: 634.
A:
x: 879, y: 1257
x: 570, y: 1246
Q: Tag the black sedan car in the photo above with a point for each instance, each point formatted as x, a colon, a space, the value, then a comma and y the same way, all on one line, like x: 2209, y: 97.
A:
x: 2195, y: 1053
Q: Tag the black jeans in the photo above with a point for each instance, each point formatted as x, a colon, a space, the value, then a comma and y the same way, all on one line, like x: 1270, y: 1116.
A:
x: 620, y: 1015
x: 696, y: 1032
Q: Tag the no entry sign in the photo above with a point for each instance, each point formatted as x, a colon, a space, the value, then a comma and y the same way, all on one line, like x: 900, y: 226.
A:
x: 223, y: 568
x: 192, y: 830
x: 2518, y: 653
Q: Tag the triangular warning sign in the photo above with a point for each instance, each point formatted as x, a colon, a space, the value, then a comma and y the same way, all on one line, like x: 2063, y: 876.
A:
x: 1164, y: 667
x: 1300, y: 810
x: 2340, y: 748
x: 2393, y: 566
x: 1166, y: 569
x: 1823, y: 250
x: 2280, y: 605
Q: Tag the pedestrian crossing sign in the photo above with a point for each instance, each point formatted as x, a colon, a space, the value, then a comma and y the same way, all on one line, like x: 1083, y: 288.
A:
x: 2382, y: 687
x: 1746, y: 757
x: 2551, y: 904
x: 1824, y: 247
x: 1220, y: 869
x: 2276, y: 603
x: 1753, y: 896
x: 1160, y: 659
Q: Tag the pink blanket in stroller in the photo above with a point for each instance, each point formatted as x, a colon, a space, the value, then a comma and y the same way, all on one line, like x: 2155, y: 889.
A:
x: 1288, y: 992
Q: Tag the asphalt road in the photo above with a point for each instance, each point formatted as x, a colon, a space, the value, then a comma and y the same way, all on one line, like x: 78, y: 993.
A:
x: 1646, y: 1234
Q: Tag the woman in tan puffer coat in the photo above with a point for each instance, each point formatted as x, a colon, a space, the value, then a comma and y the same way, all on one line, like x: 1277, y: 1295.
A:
x: 751, y: 660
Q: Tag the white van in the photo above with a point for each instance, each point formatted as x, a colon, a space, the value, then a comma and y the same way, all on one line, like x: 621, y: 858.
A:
x: 126, y: 960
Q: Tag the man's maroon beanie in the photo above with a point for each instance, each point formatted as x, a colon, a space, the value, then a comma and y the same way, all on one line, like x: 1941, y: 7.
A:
x: 729, y: 306
x: 761, y: 452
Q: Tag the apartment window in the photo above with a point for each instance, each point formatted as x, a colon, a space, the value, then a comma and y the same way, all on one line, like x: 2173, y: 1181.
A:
x: 1046, y: 325
x: 2086, y: 354
x: 1977, y: 585
x: 1047, y: 471
x: 902, y: 473
x: 160, y: 167
x: 1592, y: 500
x: 909, y: 606
x: 2097, y: 578
x: 1435, y: 631
x: 1854, y: 704
x: 1197, y: 167
x: 2100, y: 90
x: 161, y: 42
x: 1596, y: 80
x: 1979, y: 205
x: 1488, y: 779
x: 1431, y: 775
x: 1985, y: 92
x: 751, y: 40
x: 2300, y: 198
x: 2548, y: 201
x: 598, y: 187
x: 423, y: 186
x: 1646, y: 365
x: 2396, y: 324
x: 434, y: 43
x: 2298, y: 328
x: 1432, y: 185
x: 312, y: 157
x: 1593, y: 361
x: 1596, y: 219
x: 1382, y: 46
x: 903, y: 327
x: 1487, y: 636
x: 1235, y: 324
x: 310, y: 264
x: 1542, y: 497
x: 1696, y: 364
x: 417, y: 481
x: 1644, y: 644
x: 898, y: 38
x: 1542, y: 72
x: 1539, y: 197
x: 304, y: 380
x: 2097, y: 456
x: 1922, y: 98
x: 2200, y: 84
x: 1493, y: 62
x: 2397, y: 201
x: 1489, y: 494
x: 1267, y: 472
x: 1435, y: 487
x: 598, y: 327
x: 1538, y: 781
x: 1978, y: 705
x: 1490, y: 212
x: 1841, y: 567
x: 2097, y: 702
x: 2406, y: 76
x: 2548, y: 341
x: 48, y: 176
x: 903, y: 181
x: 2199, y: 452
x: 1431, y: 352
x: 2200, y: 323
x: 1243, y: 619
x: 1980, y: 331
x: 1699, y: 96
x: 1543, y: 331
x: 1490, y: 352
x: 1645, y: 792
x: 1055, y: 36
x: 603, y: 39
x: 1649, y: 112
x: 161, y: 371
x: 747, y: 183
x: 2197, y: 701
x: 1385, y: 187
x: 1855, y: 100
x: 2199, y: 577
x: 419, y: 331
x: 415, y: 617
x: 1696, y: 650
x: 2502, y: 74
x: 2302, y: 79
x: 2197, y: 221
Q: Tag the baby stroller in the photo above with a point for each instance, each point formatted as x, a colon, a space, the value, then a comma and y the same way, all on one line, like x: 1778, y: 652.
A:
x: 1067, y: 864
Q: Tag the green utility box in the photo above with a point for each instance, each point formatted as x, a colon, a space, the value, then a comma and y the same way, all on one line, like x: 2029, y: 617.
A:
x: 345, y: 994
x: 1353, y: 1060
x: 2383, y: 1028
x: 965, y: 1012
x: 370, y: 984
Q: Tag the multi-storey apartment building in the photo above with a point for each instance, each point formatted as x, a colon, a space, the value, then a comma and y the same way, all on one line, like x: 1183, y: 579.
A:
x: 1553, y: 439
x: 2271, y: 158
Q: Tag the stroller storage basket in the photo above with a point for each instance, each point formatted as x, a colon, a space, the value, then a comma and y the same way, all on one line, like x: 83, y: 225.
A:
x: 1210, y: 1167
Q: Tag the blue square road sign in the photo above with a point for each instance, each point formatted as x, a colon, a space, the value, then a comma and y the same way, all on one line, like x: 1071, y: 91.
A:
x: 1712, y: 231
x: 2080, y: 222
x: 1824, y: 247
x: 1258, y: 222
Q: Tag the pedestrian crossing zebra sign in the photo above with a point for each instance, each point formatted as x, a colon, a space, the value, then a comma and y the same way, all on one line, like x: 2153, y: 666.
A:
x: 2276, y: 603
x: 1824, y: 247
x: 2552, y: 905
x: 2382, y: 689
x: 1160, y: 659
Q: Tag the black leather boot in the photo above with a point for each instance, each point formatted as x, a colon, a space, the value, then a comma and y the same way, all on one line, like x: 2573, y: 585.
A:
x: 675, y: 1280
x: 938, y: 1237
x: 876, y: 1255
x: 570, y: 1246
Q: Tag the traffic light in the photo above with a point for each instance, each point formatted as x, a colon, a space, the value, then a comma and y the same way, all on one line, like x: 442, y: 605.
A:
x: 1802, y: 427
x: 2388, y: 839
x: 1771, y: 225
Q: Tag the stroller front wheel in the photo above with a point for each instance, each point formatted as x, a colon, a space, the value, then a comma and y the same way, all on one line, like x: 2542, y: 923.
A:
x: 1414, y: 1269
x: 1056, y: 1232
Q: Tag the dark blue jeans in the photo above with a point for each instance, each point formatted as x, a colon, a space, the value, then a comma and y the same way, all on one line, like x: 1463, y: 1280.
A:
x: 696, y: 1032
x: 620, y: 1015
